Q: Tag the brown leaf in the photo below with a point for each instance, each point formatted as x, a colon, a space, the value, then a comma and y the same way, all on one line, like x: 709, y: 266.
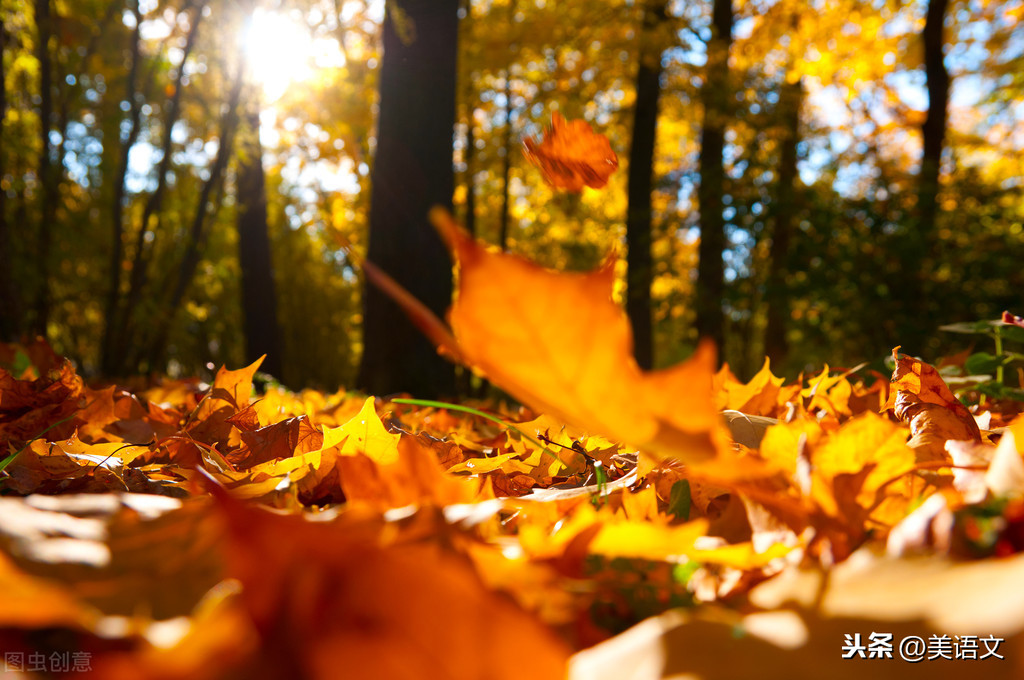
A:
x: 571, y: 155
x: 920, y: 397
x: 121, y: 554
x: 323, y: 594
x: 283, y: 439
x: 229, y: 394
x: 29, y: 407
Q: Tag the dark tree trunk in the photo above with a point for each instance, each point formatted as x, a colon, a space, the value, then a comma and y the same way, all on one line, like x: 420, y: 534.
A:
x: 776, y: 295
x: 259, y: 296
x: 114, y: 345
x: 916, y: 250
x: 10, y: 303
x: 715, y: 96
x: 933, y: 130
x: 639, y: 273
x: 506, y: 165
x: 46, y: 169
x: 412, y: 171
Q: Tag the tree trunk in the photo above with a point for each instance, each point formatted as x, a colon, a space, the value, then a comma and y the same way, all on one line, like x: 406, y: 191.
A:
x: 156, y: 349
x: 715, y: 96
x: 140, y: 262
x: 916, y: 250
x: 776, y: 295
x: 412, y: 171
x: 10, y: 320
x: 259, y: 296
x: 933, y: 130
x: 639, y: 273
x: 46, y: 169
x: 506, y: 165
x: 114, y: 345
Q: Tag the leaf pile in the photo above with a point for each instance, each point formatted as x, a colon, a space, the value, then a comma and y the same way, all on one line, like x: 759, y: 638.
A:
x: 190, y: 530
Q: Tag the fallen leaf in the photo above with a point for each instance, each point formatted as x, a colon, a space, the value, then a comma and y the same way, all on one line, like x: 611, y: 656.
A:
x: 323, y: 594
x: 30, y: 408
x: 920, y: 397
x: 229, y: 395
x: 280, y: 440
x: 760, y: 397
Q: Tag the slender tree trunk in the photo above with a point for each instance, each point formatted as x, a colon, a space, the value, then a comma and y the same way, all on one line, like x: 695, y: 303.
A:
x: 639, y: 273
x: 715, y: 95
x: 113, y: 349
x: 776, y: 295
x: 10, y: 318
x: 259, y: 296
x: 916, y: 249
x: 412, y: 171
x: 506, y: 165
x: 140, y: 263
x: 197, y: 232
x: 48, y: 185
x: 933, y: 130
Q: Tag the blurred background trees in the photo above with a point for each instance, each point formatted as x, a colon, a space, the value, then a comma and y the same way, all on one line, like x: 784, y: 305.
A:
x: 178, y: 177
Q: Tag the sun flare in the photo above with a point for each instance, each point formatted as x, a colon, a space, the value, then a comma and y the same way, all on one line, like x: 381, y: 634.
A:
x: 279, y: 51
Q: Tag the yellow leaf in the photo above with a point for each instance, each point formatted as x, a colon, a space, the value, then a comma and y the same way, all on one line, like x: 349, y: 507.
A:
x: 647, y: 540
x: 482, y: 465
x: 366, y: 434
x: 868, y: 440
x: 758, y: 397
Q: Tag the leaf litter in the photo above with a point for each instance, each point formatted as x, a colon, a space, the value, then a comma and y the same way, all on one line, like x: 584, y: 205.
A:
x: 690, y: 524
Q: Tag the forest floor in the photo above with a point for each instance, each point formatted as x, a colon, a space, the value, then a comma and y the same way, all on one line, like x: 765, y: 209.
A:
x: 620, y: 524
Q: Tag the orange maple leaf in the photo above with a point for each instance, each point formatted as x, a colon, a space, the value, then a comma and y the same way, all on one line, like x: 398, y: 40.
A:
x: 571, y: 155
x: 559, y: 343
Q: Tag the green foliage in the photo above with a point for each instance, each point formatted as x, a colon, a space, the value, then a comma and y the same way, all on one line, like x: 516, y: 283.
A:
x: 679, y: 500
x: 984, y: 372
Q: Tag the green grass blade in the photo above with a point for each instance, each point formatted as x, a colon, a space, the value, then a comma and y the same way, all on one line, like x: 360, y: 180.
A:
x: 481, y: 414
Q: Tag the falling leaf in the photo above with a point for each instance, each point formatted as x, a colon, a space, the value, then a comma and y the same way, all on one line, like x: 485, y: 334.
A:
x: 559, y: 342
x: 571, y: 155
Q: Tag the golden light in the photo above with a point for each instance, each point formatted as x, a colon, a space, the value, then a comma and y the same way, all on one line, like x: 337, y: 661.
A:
x: 280, y: 51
